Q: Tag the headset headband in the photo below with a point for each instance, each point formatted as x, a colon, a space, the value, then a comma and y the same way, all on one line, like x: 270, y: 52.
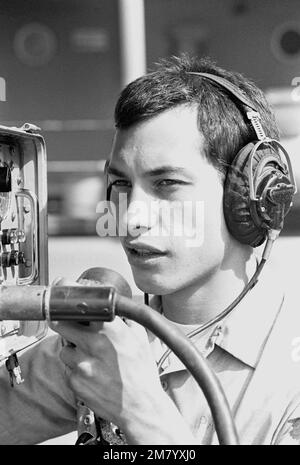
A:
x: 233, y: 89
x: 254, y: 117
x: 247, y: 106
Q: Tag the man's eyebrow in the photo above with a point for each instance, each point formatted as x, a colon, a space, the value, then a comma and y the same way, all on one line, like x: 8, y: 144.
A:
x: 162, y: 170
x: 167, y: 169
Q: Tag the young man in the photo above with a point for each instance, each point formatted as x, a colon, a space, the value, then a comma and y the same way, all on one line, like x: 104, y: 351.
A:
x: 176, y: 136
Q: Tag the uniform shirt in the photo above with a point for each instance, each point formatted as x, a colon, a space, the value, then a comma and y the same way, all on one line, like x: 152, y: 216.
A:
x: 232, y: 349
x: 249, y: 351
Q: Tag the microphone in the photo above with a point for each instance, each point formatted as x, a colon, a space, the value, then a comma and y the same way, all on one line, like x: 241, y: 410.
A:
x: 106, y: 277
x: 94, y: 300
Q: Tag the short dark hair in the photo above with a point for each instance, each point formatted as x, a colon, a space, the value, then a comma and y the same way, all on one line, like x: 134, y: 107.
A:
x: 220, y: 119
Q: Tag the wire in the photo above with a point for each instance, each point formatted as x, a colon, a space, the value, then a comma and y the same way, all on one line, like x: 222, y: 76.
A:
x: 272, y: 236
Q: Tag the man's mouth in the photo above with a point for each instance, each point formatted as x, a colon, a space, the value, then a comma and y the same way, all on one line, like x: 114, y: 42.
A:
x: 144, y: 251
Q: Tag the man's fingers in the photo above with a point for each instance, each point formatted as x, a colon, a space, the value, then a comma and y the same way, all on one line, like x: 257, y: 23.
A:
x: 71, y: 331
x: 80, y: 334
x: 77, y: 364
x: 68, y: 356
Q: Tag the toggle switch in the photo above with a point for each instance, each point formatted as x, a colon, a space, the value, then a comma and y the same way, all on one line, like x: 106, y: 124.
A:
x: 12, y: 236
x: 13, y: 258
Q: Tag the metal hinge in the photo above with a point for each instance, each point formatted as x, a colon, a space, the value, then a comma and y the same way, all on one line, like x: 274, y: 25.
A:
x: 29, y: 127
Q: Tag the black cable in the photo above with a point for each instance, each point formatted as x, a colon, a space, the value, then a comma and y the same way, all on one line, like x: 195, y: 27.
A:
x: 225, y: 312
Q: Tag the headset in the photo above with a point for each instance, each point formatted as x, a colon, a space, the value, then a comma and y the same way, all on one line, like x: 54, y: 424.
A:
x: 258, y: 189
x: 260, y: 183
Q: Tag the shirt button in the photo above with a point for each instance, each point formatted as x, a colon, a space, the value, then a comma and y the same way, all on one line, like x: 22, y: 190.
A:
x: 164, y: 385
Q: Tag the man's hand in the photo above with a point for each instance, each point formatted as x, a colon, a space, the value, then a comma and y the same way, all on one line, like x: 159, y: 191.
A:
x: 111, y: 368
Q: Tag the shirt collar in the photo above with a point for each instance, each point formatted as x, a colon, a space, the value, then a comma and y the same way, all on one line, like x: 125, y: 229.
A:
x: 244, y: 332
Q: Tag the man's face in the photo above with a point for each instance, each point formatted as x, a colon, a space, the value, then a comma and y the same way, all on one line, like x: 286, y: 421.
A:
x: 169, y: 203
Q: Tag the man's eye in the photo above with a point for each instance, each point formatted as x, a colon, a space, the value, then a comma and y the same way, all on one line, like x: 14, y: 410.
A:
x: 169, y: 182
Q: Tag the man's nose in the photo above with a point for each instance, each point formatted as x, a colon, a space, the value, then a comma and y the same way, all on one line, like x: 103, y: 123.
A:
x: 139, y: 215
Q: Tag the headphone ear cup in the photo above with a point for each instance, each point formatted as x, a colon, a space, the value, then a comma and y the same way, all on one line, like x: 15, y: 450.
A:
x: 242, y: 216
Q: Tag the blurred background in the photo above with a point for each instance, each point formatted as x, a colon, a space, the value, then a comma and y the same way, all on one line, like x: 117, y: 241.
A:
x: 65, y: 61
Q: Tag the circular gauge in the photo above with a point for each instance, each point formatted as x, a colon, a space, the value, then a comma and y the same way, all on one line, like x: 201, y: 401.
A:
x: 285, y: 42
x: 35, y: 44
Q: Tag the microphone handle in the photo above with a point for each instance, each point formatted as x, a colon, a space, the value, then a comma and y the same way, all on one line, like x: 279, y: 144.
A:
x: 79, y: 303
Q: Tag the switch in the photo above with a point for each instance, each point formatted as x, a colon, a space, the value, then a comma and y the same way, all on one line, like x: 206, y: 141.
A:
x: 12, y: 236
x: 13, y: 258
